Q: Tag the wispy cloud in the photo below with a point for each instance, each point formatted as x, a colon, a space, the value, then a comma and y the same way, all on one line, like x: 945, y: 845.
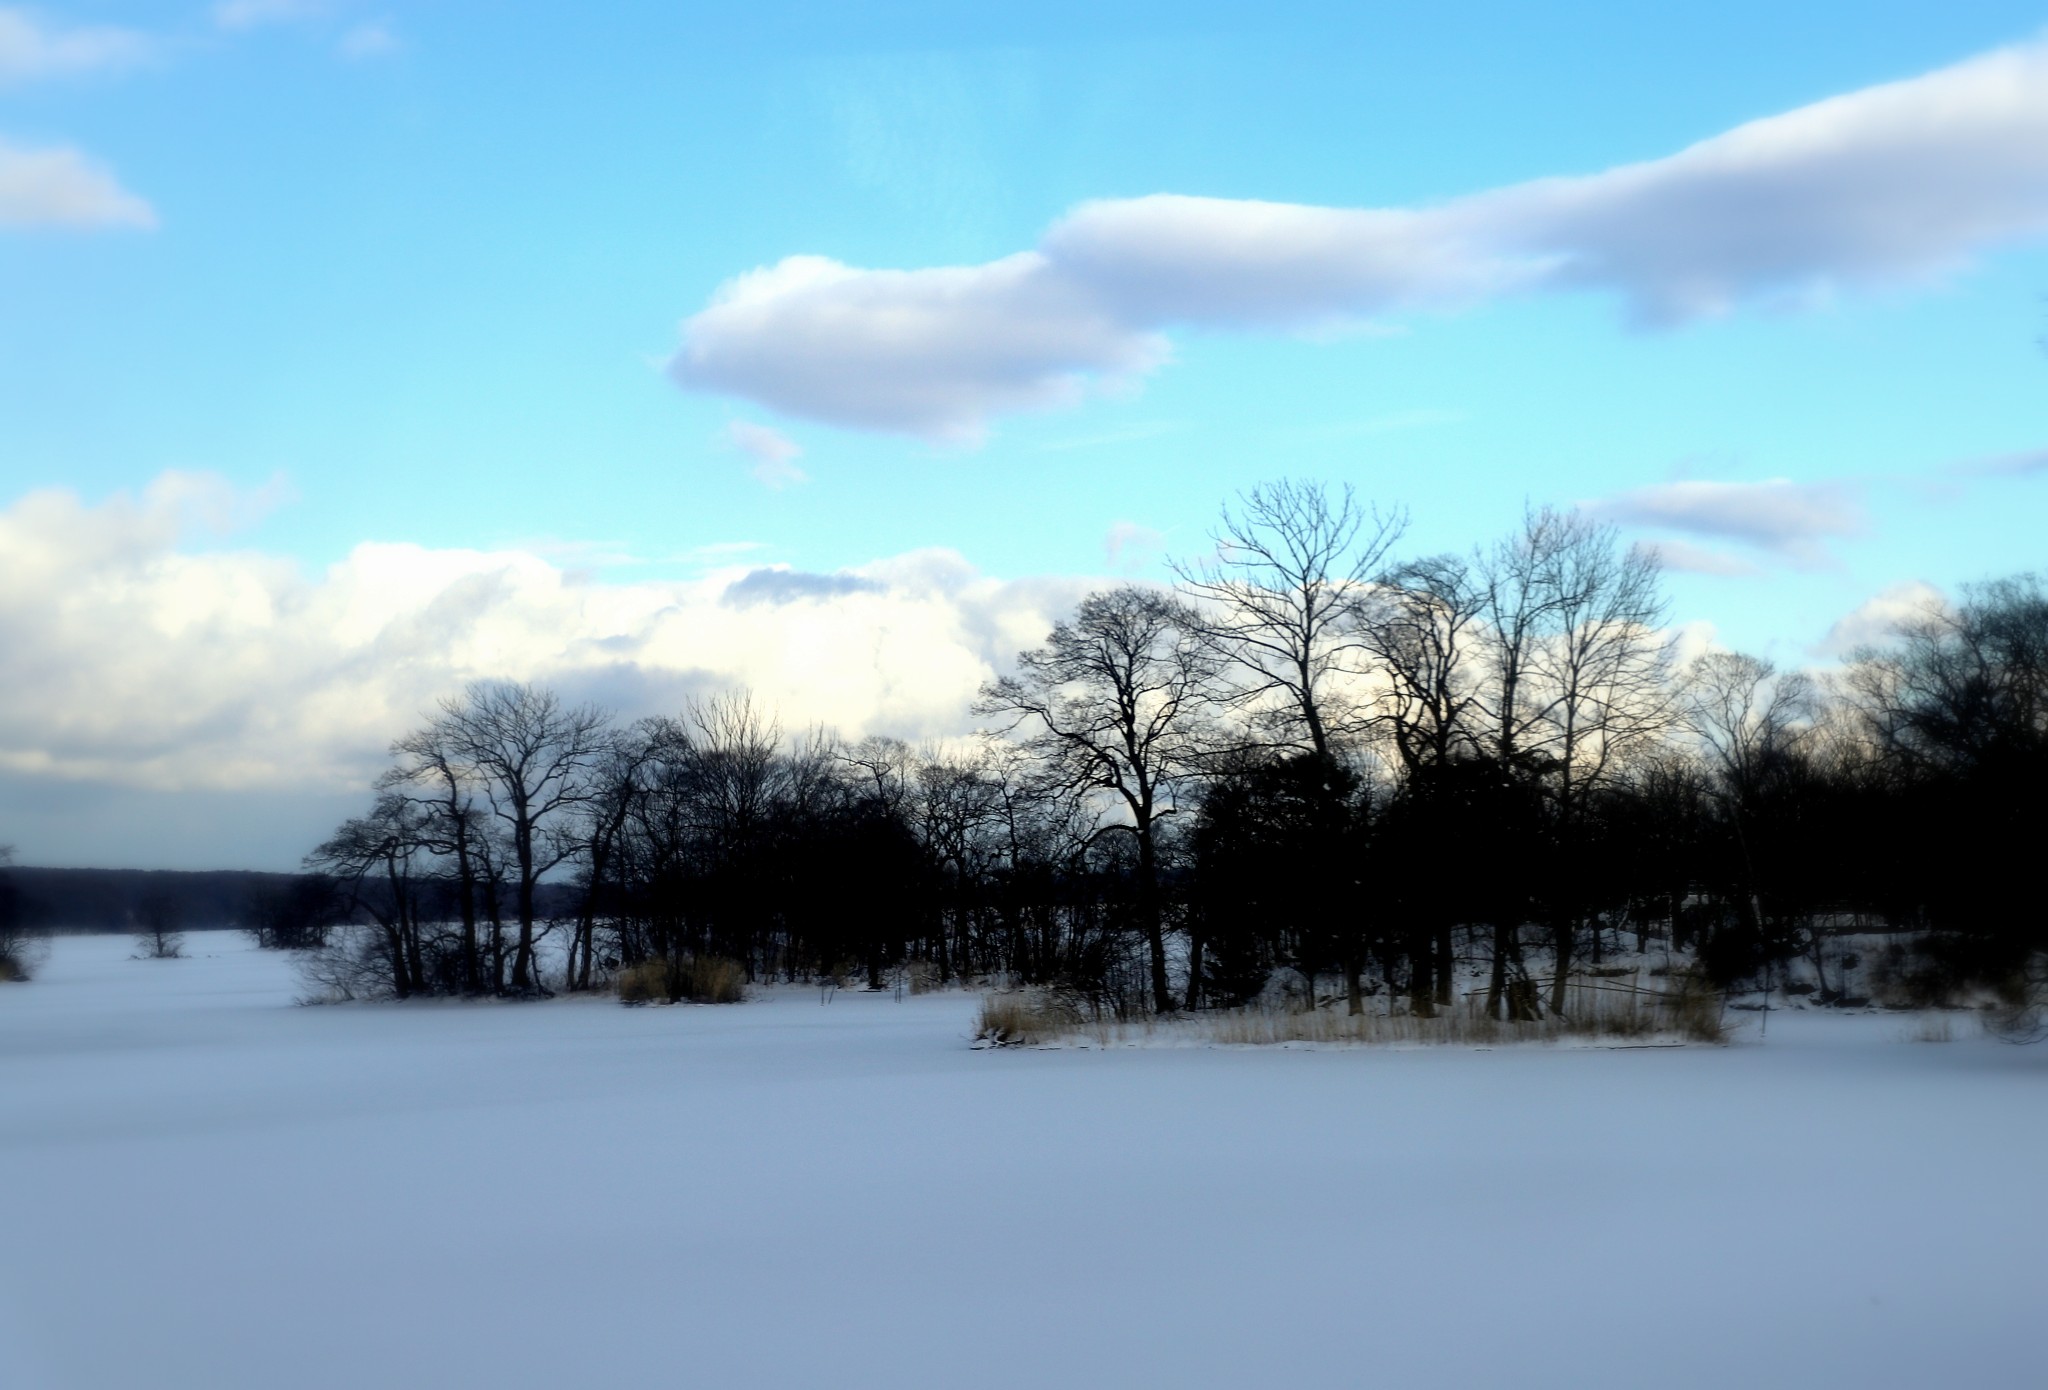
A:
x: 1129, y: 434
x: 1128, y: 546
x: 58, y: 187
x: 1787, y: 521
x: 774, y: 454
x: 1886, y: 185
x: 366, y: 41
x: 31, y: 48
x: 2028, y: 464
x: 255, y: 14
x: 1687, y: 558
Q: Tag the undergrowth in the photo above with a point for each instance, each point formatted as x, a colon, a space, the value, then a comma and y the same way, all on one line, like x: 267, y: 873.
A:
x: 699, y: 979
x: 1685, y: 1010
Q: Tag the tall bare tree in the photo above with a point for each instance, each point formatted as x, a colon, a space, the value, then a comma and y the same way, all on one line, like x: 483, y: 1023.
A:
x: 531, y: 758
x: 431, y: 768
x: 1275, y: 605
x: 1417, y: 622
x: 1113, y: 703
x: 1601, y: 669
x: 377, y: 863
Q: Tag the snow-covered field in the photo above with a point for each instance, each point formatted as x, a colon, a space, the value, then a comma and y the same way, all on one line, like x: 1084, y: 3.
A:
x: 202, y: 1185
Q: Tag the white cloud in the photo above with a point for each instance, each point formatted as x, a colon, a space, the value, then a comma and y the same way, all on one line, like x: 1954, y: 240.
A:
x: 928, y: 352
x: 31, y: 49
x: 1873, y: 622
x: 1786, y: 520
x: 58, y: 187
x: 135, y: 662
x: 1891, y: 184
x: 774, y: 454
x: 1687, y: 558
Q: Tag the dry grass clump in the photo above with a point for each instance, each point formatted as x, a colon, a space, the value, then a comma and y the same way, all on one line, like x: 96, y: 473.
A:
x: 1934, y: 1028
x: 20, y: 953
x: 1025, y: 1019
x: 1595, y: 1008
x: 699, y: 979
x: 1685, y: 1009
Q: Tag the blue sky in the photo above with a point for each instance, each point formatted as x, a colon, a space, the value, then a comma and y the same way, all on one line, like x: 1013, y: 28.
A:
x: 302, y: 302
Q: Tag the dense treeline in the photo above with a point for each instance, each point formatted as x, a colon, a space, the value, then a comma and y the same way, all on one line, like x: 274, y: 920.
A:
x: 1313, y: 758
x: 112, y: 900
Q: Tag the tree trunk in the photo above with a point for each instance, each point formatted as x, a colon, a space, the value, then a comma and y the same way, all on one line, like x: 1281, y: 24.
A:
x: 1562, y: 945
x: 1155, y: 935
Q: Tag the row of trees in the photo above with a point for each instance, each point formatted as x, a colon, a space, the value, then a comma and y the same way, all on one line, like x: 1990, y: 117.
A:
x: 1311, y: 756
x: 17, y: 958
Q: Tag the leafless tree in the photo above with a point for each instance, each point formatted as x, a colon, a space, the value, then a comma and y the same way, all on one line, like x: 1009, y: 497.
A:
x: 18, y: 951
x: 1113, y: 703
x: 1542, y: 654
x: 1417, y: 623
x: 1963, y: 685
x: 376, y: 864
x: 1746, y: 714
x: 616, y: 793
x: 159, y: 927
x: 1601, y: 669
x: 531, y: 758
x: 1744, y: 710
x: 1275, y: 605
x: 432, y: 770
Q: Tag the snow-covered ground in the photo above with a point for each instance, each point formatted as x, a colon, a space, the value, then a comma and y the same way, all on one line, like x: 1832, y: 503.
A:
x: 202, y: 1185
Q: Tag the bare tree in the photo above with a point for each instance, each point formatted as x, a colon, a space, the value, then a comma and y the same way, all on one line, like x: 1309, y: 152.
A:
x: 1275, y: 606
x: 1112, y: 703
x: 17, y: 952
x: 616, y: 793
x: 375, y: 863
x: 1744, y: 710
x: 531, y: 758
x: 1417, y: 623
x: 430, y: 761
x: 159, y: 927
x: 1602, y: 671
x: 1747, y: 715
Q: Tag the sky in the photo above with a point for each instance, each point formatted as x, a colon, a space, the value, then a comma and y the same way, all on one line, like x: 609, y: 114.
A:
x: 351, y: 352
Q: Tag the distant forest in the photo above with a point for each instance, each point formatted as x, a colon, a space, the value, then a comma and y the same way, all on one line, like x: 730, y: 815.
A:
x: 117, y: 900
x: 1313, y: 756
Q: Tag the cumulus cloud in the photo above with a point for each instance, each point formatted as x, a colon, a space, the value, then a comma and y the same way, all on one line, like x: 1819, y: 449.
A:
x: 135, y: 661
x: 1780, y: 518
x: 59, y: 187
x: 773, y: 452
x: 1890, y: 184
x: 931, y: 352
x: 30, y: 48
x: 1873, y: 622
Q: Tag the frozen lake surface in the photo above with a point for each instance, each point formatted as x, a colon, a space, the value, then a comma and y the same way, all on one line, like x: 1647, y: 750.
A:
x: 207, y: 1187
